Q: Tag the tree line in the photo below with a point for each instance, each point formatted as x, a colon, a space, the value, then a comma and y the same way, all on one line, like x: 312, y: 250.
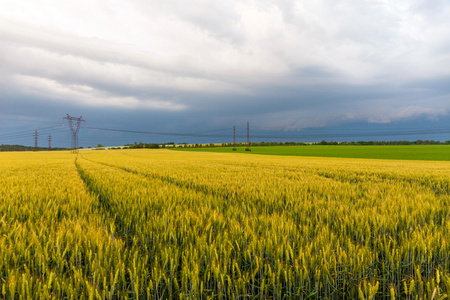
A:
x: 27, y: 148
x: 417, y: 142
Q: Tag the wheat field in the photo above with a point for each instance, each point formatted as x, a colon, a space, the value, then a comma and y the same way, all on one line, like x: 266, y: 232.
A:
x: 160, y: 224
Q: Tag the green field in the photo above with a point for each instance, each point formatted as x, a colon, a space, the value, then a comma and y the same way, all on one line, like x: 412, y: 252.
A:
x: 410, y: 152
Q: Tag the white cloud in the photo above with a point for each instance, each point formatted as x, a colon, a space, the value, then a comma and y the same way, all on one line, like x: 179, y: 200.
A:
x: 162, y: 54
x: 262, y: 40
x: 87, y: 95
x: 389, y: 114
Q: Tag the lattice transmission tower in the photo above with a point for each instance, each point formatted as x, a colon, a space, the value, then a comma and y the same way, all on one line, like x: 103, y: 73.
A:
x: 36, y: 134
x: 234, y: 138
x: 248, y: 137
x: 74, y: 125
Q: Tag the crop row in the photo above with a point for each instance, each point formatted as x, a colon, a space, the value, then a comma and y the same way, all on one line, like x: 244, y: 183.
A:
x: 157, y: 224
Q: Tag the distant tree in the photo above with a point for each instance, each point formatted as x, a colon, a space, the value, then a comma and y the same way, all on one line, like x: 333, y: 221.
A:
x: 99, y: 145
x: 152, y: 146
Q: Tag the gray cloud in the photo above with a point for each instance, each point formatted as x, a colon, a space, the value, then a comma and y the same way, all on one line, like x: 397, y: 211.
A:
x: 286, y: 65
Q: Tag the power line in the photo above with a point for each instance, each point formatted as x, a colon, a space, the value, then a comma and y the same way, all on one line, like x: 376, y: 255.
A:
x: 210, y: 133
x: 370, y: 134
x: 296, y: 136
x: 160, y: 133
x: 27, y: 131
x: 340, y: 133
x: 28, y: 134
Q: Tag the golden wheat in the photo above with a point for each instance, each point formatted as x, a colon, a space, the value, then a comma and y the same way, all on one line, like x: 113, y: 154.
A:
x: 164, y: 224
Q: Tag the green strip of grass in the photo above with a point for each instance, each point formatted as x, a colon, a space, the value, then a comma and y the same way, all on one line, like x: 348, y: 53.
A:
x: 410, y: 152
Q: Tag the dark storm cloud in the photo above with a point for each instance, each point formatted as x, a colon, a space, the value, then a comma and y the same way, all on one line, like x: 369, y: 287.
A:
x: 173, y: 66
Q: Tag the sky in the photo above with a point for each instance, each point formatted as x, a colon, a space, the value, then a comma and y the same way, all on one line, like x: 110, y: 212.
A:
x: 309, y: 70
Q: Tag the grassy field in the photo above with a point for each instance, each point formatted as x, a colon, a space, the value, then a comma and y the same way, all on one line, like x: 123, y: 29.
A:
x: 161, y: 224
x: 410, y: 152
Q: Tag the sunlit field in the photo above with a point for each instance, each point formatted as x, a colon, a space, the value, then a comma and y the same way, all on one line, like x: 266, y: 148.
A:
x: 161, y: 224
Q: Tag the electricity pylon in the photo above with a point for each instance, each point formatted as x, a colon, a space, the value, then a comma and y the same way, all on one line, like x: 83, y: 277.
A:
x: 74, y: 125
x: 248, y: 137
x: 234, y: 138
x: 36, y: 140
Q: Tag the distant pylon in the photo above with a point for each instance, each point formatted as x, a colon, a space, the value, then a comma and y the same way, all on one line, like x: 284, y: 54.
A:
x: 49, y: 142
x: 234, y: 138
x: 248, y: 137
x: 35, y: 140
x: 74, y: 125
